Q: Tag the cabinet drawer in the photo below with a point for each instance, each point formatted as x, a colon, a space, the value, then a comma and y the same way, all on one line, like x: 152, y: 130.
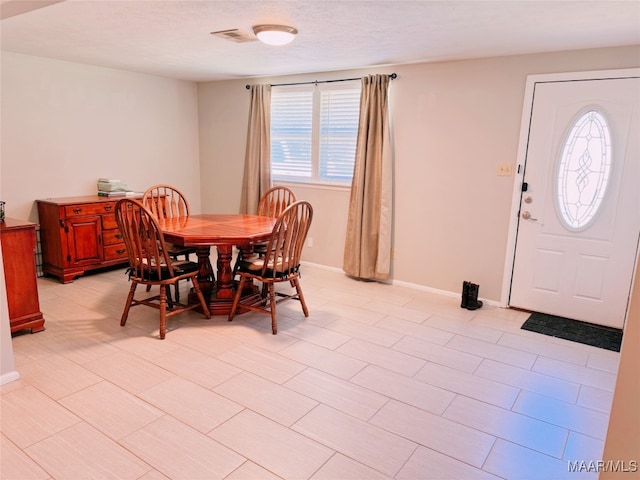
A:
x: 89, y: 209
x: 111, y: 237
x: 114, y: 252
x: 109, y: 221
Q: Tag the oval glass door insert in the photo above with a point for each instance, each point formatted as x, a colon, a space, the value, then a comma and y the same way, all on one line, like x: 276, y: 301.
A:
x: 583, y: 170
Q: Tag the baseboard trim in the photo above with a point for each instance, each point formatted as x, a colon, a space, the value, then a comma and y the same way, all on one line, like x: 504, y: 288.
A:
x: 413, y: 286
x: 9, y: 377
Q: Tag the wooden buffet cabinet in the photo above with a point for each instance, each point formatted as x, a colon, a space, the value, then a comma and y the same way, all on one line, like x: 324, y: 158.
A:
x: 18, y: 240
x: 79, y: 234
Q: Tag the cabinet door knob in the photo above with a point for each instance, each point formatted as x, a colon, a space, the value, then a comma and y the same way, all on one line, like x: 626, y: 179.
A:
x: 77, y: 210
x: 108, y: 207
x: 121, y: 251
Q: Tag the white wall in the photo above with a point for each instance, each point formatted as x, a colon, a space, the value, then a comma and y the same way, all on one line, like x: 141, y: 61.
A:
x: 454, y: 122
x: 64, y: 125
x: 622, y: 442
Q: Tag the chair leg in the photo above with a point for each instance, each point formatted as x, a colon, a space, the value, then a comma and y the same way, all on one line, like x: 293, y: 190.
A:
x: 125, y: 314
x: 177, y: 293
x: 237, y: 264
x: 163, y: 311
x: 167, y: 289
x: 236, y: 297
x: 198, y: 290
x: 272, y: 304
x: 305, y: 310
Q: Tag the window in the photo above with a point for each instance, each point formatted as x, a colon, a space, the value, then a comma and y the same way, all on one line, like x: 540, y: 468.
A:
x: 314, y: 129
x: 583, y: 170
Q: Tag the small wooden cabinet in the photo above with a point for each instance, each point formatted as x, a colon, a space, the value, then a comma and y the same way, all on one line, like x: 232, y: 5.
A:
x: 79, y: 234
x: 18, y: 240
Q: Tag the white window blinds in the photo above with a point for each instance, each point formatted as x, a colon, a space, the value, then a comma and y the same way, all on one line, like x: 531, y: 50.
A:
x: 313, y: 132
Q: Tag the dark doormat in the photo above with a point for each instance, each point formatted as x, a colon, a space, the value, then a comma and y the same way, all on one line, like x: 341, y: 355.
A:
x: 574, y: 330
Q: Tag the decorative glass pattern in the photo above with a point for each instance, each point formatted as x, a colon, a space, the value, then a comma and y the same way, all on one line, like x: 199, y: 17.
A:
x: 583, y: 170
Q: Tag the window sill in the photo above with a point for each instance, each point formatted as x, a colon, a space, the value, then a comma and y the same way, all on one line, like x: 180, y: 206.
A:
x: 313, y: 185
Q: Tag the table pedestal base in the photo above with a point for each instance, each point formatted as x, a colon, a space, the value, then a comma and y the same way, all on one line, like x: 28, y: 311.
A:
x: 222, y: 306
x: 219, y: 293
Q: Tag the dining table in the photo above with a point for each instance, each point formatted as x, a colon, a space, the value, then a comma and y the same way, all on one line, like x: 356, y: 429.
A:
x: 224, y: 231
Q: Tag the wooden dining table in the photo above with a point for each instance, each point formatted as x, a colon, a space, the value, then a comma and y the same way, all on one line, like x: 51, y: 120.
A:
x: 222, y: 231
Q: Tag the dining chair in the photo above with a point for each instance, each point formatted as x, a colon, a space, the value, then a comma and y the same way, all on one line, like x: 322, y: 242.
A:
x: 150, y: 264
x: 272, y: 203
x: 281, y: 263
x: 166, y: 201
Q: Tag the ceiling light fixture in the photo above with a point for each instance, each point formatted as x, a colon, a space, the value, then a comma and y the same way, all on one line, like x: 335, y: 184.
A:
x: 275, y: 34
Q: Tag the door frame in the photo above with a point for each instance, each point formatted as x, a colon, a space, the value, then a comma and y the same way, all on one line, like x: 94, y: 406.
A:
x: 525, y: 124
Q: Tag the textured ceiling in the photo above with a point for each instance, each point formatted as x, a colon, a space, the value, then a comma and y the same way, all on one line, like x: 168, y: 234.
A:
x: 172, y: 38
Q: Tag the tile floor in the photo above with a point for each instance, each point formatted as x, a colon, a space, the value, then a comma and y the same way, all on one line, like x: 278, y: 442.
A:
x: 379, y: 382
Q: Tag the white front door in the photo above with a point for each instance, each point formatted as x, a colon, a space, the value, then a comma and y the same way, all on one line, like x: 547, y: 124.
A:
x: 579, y: 214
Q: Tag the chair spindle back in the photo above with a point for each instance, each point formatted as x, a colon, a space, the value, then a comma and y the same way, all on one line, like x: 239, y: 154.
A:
x: 275, y: 201
x: 284, y: 249
x: 166, y: 201
x: 143, y: 239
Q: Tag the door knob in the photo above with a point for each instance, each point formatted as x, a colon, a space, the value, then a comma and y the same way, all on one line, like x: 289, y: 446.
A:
x: 528, y: 199
x: 527, y: 216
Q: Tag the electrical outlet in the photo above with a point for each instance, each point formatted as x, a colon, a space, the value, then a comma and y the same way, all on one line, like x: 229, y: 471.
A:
x: 309, y: 242
x: 504, y: 169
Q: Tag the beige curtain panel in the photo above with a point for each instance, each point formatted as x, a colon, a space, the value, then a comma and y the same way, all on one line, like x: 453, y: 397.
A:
x: 257, y: 160
x: 367, y: 252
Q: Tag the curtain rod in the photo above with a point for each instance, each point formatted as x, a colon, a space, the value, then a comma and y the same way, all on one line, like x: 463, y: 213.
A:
x: 392, y: 76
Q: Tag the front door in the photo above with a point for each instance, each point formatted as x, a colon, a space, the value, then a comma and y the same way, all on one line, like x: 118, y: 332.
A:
x: 579, y: 208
